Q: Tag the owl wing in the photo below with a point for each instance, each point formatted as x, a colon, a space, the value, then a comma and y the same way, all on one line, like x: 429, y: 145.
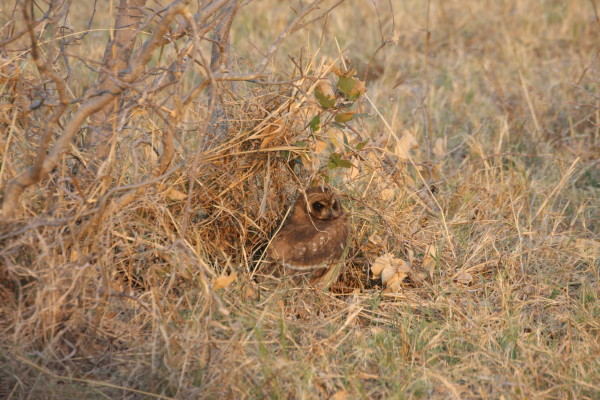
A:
x: 306, y: 246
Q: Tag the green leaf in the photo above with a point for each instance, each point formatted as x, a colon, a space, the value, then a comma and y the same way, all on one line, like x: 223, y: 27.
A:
x: 325, y: 100
x: 350, y: 87
x: 344, y: 164
x: 336, y: 161
x: 300, y: 143
x: 345, y: 139
x: 333, y: 160
x: 315, y: 123
x: 361, y: 145
x: 345, y: 86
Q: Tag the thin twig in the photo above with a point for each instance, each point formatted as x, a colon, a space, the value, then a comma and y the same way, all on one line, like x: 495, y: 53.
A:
x: 27, y: 178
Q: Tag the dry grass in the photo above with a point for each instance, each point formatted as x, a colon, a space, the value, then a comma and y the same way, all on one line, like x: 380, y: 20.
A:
x: 503, y: 101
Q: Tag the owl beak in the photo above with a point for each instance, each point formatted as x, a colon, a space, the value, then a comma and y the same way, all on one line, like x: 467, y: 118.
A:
x: 329, y: 213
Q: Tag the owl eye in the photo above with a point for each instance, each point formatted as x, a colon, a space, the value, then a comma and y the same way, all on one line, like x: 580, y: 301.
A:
x: 318, y: 206
x: 335, y: 205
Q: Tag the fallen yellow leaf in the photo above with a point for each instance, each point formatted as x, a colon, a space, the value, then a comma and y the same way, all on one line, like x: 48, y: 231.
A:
x: 387, y: 274
x: 320, y: 146
x: 339, y: 395
x: 391, y: 271
x: 176, y: 195
x: 223, y: 281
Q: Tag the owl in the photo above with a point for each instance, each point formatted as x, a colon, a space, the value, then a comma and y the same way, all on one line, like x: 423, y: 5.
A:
x: 313, y: 239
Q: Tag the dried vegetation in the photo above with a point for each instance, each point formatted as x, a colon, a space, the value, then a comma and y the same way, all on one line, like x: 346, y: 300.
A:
x: 470, y: 170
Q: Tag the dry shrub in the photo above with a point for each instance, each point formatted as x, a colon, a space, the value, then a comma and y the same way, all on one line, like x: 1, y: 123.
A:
x: 497, y: 217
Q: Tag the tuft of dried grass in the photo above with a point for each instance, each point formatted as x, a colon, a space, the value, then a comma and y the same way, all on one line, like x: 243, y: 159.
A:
x: 497, y: 209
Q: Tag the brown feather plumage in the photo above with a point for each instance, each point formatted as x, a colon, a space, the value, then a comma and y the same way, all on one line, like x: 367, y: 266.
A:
x: 314, y: 236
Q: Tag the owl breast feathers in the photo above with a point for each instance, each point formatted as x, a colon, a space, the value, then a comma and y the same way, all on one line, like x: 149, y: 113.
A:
x: 314, y: 236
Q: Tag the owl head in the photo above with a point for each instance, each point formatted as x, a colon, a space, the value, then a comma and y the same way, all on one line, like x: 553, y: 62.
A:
x: 320, y: 203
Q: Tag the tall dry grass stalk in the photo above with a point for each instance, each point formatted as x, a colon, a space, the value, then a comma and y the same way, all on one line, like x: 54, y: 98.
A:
x: 140, y: 188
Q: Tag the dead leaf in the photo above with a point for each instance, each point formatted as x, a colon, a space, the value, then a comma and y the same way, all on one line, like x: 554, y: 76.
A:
x: 340, y: 395
x: 430, y: 172
x: 411, y: 257
x: 391, y: 270
x: 373, y: 245
x: 464, y: 278
x: 175, y: 195
x: 325, y: 94
x: 223, y: 281
x: 250, y: 292
x: 429, y: 261
x: 406, y: 143
x: 344, y: 117
x: 395, y: 284
x: 387, y: 194
x: 320, y: 146
x: 387, y: 274
x: 375, y: 239
x: 379, y: 265
x: 349, y: 73
x: 271, y: 132
x: 439, y: 148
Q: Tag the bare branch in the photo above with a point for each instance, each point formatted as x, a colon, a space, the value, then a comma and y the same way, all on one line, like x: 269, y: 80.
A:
x: 211, y: 107
x: 260, y: 70
x: 27, y: 178
x: 116, y: 57
x: 219, y: 61
x: 45, y: 69
x: 33, y: 24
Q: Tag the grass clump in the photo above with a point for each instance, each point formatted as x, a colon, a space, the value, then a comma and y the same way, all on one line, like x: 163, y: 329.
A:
x: 473, y: 156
